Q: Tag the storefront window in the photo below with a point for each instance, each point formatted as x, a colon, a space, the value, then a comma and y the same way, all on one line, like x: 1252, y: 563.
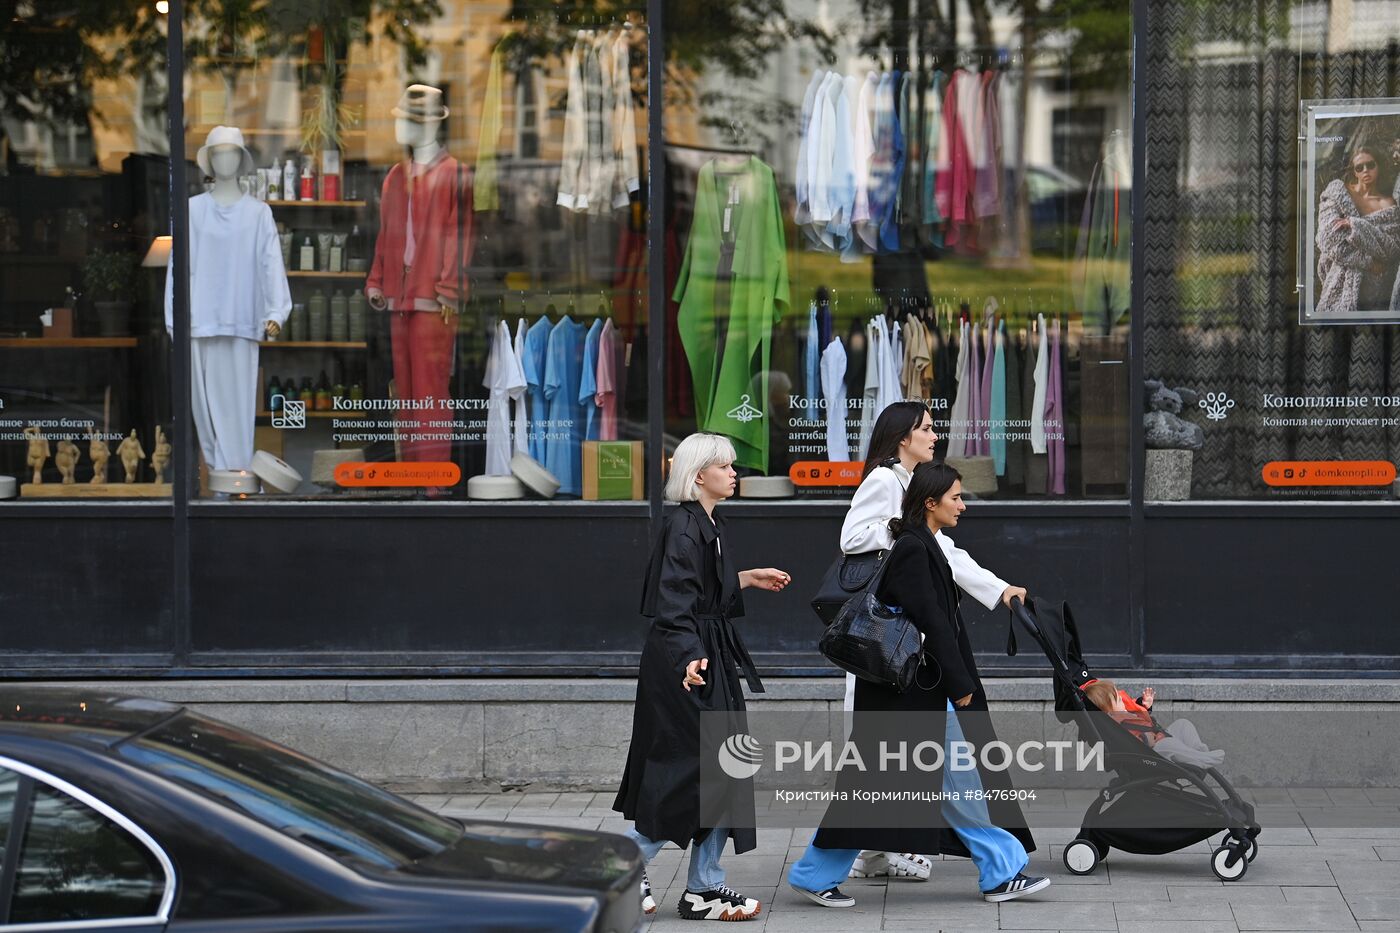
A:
x: 1272, y: 297
x: 418, y: 258
x: 873, y: 201
x: 84, y: 396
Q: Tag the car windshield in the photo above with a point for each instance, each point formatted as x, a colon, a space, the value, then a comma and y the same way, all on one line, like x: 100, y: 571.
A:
x: 339, y: 814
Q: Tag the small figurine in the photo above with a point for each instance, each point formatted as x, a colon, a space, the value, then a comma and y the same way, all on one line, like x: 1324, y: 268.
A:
x: 132, y: 453
x: 161, y: 458
x: 67, y: 460
x: 38, y: 452
x: 99, y: 453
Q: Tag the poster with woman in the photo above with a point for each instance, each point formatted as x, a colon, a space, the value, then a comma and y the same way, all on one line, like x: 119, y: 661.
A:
x: 1350, y: 180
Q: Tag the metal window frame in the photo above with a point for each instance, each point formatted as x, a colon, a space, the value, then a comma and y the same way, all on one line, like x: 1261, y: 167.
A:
x: 167, y: 899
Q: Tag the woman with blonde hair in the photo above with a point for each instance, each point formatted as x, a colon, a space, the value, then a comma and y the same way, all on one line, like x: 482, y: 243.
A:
x: 690, y: 664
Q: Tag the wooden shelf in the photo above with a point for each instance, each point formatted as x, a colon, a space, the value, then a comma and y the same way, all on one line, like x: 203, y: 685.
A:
x: 315, y: 344
x: 67, y: 343
x: 315, y: 203
x: 298, y: 274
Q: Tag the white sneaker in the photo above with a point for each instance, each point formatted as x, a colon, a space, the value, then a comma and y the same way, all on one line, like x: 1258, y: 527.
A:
x: 648, y: 902
x: 905, y: 866
x: 1019, y: 886
x: 723, y: 903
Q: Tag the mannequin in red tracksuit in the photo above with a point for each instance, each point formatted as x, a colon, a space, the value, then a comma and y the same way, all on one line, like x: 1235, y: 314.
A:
x: 417, y: 273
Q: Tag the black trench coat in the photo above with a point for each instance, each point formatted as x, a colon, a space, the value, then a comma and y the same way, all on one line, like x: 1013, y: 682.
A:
x: 692, y: 594
x: 919, y: 580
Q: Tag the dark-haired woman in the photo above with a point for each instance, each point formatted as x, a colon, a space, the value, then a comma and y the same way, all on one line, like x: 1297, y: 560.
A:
x: 1358, y: 237
x: 902, y: 439
x: 919, y: 580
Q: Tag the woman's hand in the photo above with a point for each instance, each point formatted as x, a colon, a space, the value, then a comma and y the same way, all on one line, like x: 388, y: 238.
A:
x: 963, y: 702
x: 1148, y: 695
x: 692, y: 673
x: 1013, y: 592
x: 766, y: 578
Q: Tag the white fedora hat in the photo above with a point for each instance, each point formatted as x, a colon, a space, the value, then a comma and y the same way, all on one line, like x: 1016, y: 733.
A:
x: 421, y: 104
x: 223, y: 136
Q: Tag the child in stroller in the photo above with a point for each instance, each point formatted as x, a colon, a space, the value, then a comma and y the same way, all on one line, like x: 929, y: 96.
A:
x: 1179, y: 742
x: 1152, y: 805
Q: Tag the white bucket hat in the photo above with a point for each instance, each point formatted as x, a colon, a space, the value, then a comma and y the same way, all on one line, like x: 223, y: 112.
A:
x: 224, y: 136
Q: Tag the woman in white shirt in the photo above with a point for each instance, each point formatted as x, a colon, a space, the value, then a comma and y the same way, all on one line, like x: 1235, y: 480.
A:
x: 902, y: 439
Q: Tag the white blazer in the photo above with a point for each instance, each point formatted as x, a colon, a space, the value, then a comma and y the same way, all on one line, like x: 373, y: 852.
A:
x: 880, y: 498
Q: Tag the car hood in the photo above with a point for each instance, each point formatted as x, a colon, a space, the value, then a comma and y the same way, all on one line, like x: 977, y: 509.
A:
x: 537, y: 855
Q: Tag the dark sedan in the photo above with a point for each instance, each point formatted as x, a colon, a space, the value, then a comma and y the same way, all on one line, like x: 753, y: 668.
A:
x: 126, y: 814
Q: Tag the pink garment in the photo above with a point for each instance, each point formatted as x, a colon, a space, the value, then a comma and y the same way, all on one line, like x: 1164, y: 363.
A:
x: 954, y: 184
x: 976, y: 414
x: 1055, y: 416
x: 987, y: 195
x: 606, y: 379
x: 989, y: 358
x: 422, y: 349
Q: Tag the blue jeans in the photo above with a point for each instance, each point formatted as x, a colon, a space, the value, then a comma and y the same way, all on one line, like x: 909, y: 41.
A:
x: 705, y: 874
x: 998, y: 855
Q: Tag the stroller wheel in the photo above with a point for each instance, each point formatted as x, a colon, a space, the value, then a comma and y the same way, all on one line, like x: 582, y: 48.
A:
x: 1224, y: 868
x: 1250, y: 853
x: 1081, y: 857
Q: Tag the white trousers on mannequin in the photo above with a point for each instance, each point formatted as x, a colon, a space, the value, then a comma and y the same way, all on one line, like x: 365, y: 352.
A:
x: 224, y: 395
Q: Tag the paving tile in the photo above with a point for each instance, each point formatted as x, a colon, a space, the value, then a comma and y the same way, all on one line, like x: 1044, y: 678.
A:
x: 1311, y: 797
x: 1129, y: 868
x: 1292, y: 917
x: 1294, y: 894
x: 1357, y: 877
x: 1387, y: 853
x: 1226, y: 893
x: 1028, y: 914
x: 1353, y: 797
x: 1177, y: 926
x: 1374, y: 906
x: 1380, y: 926
x: 1143, y: 893
x: 464, y: 801
x: 1384, y: 795
x: 1195, y: 911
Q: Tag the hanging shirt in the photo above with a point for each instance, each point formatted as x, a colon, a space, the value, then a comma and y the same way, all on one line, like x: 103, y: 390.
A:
x: 485, y: 196
x: 916, y: 367
x: 819, y: 189
x: 626, y: 176
x: 959, y: 425
x: 888, y: 370
x: 563, y: 455
x: 987, y: 187
x: 237, y: 280
x: 1042, y: 386
x: 534, y: 362
x: 956, y: 173
x: 521, y: 404
x: 838, y: 445
x: 573, y: 187
x: 996, y: 415
x: 733, y: 280
x: 933, y: 126
x: 588, y: 381
x: 1055, y: 415
x: 606, y: 382
x: 1103, y: 253
x: 418, y: 264
x: 843, y: 182
x: 811, y: 364
x: 504, y: 380
x: 862, y: 146
x: 802, y: 208
x: 870, y: 398
x: 601, y: 167
x: 867, y: 118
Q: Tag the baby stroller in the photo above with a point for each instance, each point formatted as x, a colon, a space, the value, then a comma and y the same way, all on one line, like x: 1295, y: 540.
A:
x: 1147, y: 790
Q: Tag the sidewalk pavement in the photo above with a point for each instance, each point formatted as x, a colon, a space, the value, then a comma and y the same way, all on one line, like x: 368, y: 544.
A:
x: 1307, y: 876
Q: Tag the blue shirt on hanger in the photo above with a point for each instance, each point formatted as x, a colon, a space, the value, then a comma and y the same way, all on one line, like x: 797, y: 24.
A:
x: 533, y: 362
x: 563, y: 371
x: 588, y: 381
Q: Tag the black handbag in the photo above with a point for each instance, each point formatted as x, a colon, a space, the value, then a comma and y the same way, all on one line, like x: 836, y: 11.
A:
x: 848, y: 574
x: 875, y: 642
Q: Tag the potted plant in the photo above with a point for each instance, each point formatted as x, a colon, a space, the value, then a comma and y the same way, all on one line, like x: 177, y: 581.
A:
x: 109, y: 281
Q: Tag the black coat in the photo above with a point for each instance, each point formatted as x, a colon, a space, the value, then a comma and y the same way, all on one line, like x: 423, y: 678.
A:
x: 691, y: 593
x: 919, y: 580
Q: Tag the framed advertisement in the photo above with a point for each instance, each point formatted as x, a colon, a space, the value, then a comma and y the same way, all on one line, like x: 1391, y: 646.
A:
x: 1349, y: 243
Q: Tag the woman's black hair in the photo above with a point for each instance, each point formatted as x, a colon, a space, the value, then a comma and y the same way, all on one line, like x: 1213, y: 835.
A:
x: 930, y: 480
x: 896, y: 422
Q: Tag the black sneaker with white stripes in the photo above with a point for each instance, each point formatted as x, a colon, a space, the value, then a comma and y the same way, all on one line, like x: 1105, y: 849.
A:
x: 831, y: 897
x: 1019, y: 886
x: 723, y: 903
x: 648, y: 902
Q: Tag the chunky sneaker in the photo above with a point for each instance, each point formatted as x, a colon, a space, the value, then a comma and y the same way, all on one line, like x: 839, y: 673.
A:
x: 723, y: 903
x: 901, y: 865
x: 1019, y: 886
x: 831, y: 897
x: 648, y: 902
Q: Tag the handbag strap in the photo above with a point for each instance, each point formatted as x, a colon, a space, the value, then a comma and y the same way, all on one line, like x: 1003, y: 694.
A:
x: 873, y: 586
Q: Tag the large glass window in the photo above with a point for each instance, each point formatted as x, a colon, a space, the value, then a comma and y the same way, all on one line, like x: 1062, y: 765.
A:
x: 874, y: 201
x: 84, y: 181
x: 1267, y: 274
x: 417, y: 249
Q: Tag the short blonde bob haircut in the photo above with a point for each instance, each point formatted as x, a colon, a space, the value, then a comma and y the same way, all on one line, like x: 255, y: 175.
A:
x: 695, y: 453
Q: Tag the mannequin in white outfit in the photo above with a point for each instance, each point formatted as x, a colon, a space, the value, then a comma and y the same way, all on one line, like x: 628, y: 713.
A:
x: 238, y: 296
x: 901, y: 439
